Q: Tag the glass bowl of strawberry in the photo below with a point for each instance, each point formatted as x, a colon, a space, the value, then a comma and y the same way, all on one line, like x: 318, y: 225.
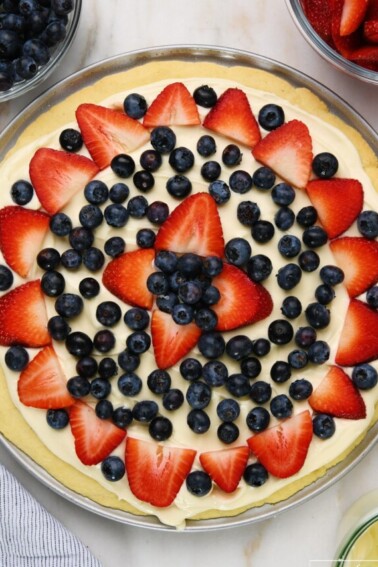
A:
x: 343, y: 32
x: 34, y: 37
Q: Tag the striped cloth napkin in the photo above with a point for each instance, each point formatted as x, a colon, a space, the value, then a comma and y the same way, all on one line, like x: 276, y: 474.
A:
x: 30, y: 536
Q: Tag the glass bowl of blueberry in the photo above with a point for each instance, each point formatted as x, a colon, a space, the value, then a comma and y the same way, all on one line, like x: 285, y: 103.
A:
x: 34, y: 37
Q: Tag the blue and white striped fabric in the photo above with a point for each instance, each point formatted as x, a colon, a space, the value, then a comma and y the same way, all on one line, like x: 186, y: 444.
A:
x: 30, y: 536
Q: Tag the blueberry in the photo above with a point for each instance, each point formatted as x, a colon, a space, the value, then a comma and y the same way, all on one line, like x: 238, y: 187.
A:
x: 93, y: 259
x: 189, y: 264
x: 104, y: 340
x: 314, y: 236
x: 58, y: 328
x: 309, y: 260
x: 240, y: 181
x: 198, y: 483
x: 198, y: 395
x: 129, y: 384
x: 60, y: 224
x: 364, y: 376
x: 70, y: 139
x: 48, y: 259
x: 211, y: 295
x: 104, y: 409
x: 100, y: 388
x: 114, y: 246
x: 206, y: 319
x: 135, y: 105
x: 62, y: 7
x: 281, y: 406
x: 198, y: 421
x: 166, y: 261
x: 36, y: 48
x: 215, y: 373
x: 107, y: 367
x: 284, y: 218
x: 159, y: 381
x: 52, y: 284
x: 191, y: 369
x: 271, y: 116
x: 160, y: 428
x: 318, y: 352
x: 289, y: 276
x: 167, y: 301
x: 157, y: 212
x: 205, y: 96
x: 238, y: 385
x: 283, y: 194
x: 157, y: 283
x: 228, y: 432
x: 122, y: 417
x: 163, y: 139
x: 137, y: 319
x: 231, y: 155
x: 150, y: 160
x: 371, y: 296
x: 69, y: 305
x: 331, y: 275
x: 259, y: 267
x: 96, y: 192
x: 210, y: 170
x: 260, y: 392
x: 300, y: 389
x: 280, y: 332
x: 297, y: 359
x: 90, y: 216
x: 325, y: 165
x: 116, y: 215
x: 212, y: 266
x: 118, y: 193
x: 79, y: 344
x: 264, y: 178
x: 367, y: 224
x: 324, y: 294
x: 10, y: 44
x: 206, y: 146
x: 123, y: 165
x: 80, y: 238
x: 57, y: 418
x: 289, y: 246
x: 255, y: 474
x: 181, y: 159
x: 211, y: 344
x: 145, y: 238
x: 280, y: 371
x: 305, y: 336
x: 291, y: 307
x: 179, y: 186
x: 250, y: 367
x: 228, y: 410
x: 22, y: 192
x: 239, y: 347
x: 78, y: 386
x: 113, y: 468
x: 262, y: 231
x: 137, y: 207
x: 26, y: 67
x: 220, y: 192
x: 324, y: 426
x: 173, y: 399
x: 258, y: 419
x: 307, y: 216
x: 317, y: 315
x: 237, y: 251
x: 89, y: 287
x: 138, y: 342
x: 261, y: 347
x: 54, y: 33
x: 16, y: 358
x: 108, y: 313
x: 248, y: 213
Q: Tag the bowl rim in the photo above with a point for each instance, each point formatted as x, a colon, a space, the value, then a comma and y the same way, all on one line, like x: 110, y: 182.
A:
x: 324, y: 50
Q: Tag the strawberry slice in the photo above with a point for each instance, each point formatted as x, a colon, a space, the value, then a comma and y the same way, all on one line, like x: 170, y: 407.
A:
x: 226, y: 466
x: 232, y: 117
x: 366, y: 56
x: 242, y: 301
x: 318, y: 13
x: 156, y: 472
x: 126, y: 277
x: 95, y: 438
x: 193, y: 226
x: 282, y: 449
x: 21, y: 235
x: 23, y: 317
x: 372, y: 11
x: 171, y: 342
x: 108, y: 132
x: 174, y: 105
x: 358, y: 258
x: 338, y: 202
x: 359, y: 338
x: 337, y: 395
x: 42, y: 384
x: 352, y: 15
x: 371, y: 31
x: 288, y: 151
x: 57, y: 176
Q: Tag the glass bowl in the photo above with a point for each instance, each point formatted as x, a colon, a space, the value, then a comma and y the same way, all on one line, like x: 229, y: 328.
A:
x: 328, y: 53
x: 57, y: 53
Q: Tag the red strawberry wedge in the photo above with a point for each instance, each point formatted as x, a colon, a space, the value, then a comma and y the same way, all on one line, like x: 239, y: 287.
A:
x: 226, y: 466
x: 338, y: 203
x: 193, y: 226
x: 156, y: 472
x: 21, y: 235
x: 232, y: 117
x: 352, y: 15
x: 57, y: 176
x: 23, y: 317
x: 282, y: 449
x: 42, y: 384
x: 359, y: 338
x: 371, y: 31
x: 358, y: 258
x: 174, y: 105
x: 367, y: 56
x: 337, y: 395
x: 318, y: 13
x: 242, y: 301
x: 108, y: 132
x: 170, y: 341
x: 126, y: 277
x: 288, y: 151
x: 95, y: 438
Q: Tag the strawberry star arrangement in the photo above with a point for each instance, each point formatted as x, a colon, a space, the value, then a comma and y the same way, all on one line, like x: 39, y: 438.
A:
x: 188, y: 309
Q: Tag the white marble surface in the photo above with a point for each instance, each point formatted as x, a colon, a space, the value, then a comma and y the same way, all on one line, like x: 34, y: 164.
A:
x: 306, y: 535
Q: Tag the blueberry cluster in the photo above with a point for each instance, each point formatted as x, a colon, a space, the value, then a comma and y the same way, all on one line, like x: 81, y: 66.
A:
x: 29, y: 30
